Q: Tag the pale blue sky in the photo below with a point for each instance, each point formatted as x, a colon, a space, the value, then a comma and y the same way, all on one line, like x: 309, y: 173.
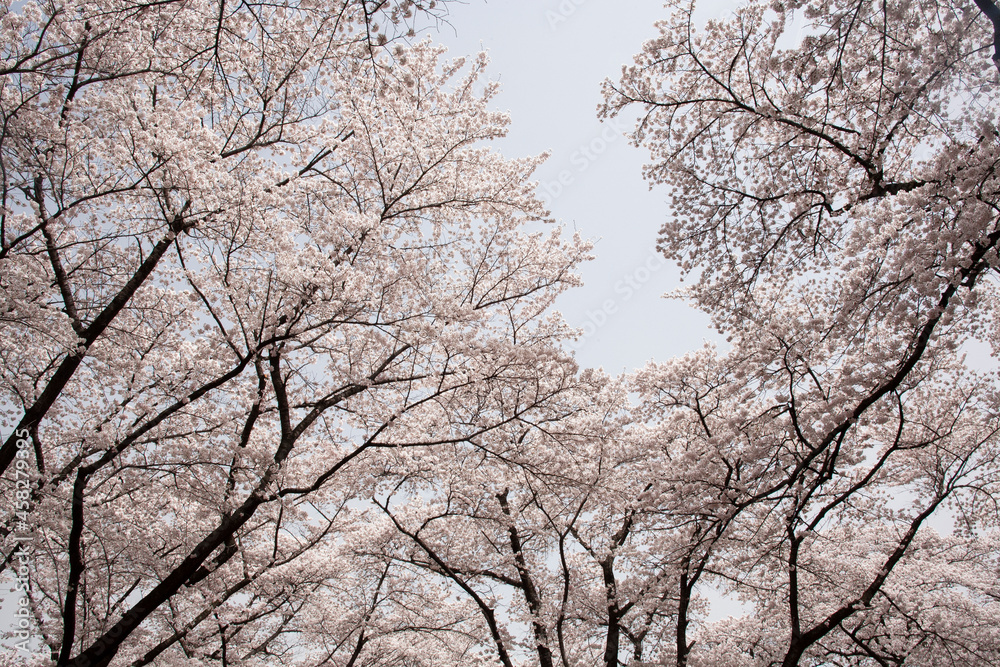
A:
x: 551, y: 56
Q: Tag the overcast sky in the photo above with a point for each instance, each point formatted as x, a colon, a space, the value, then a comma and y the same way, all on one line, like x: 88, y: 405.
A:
x: 551, y: 56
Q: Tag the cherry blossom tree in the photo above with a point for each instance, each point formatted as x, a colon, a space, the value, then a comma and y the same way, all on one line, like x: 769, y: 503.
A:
x: 832, y: 174
x: 526, y: 532
x: 282, y: 388
x: 249, y: 253
x: 568, y: 544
